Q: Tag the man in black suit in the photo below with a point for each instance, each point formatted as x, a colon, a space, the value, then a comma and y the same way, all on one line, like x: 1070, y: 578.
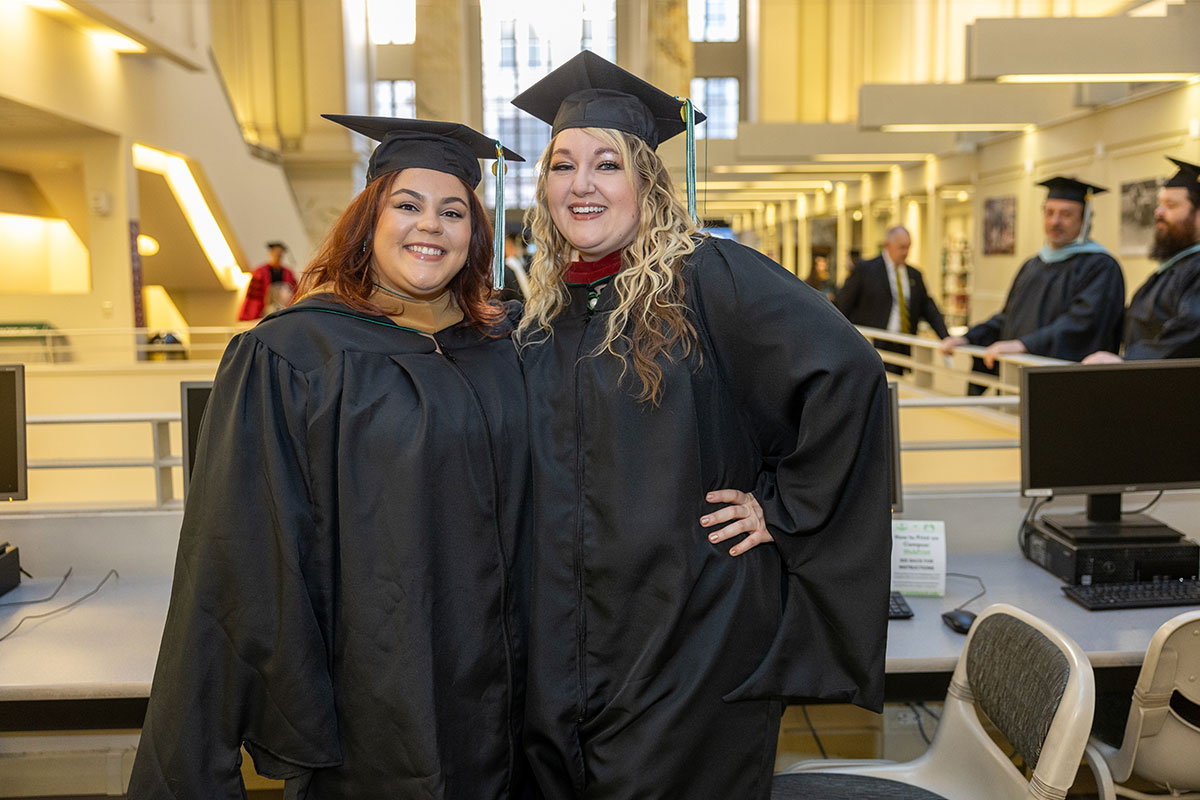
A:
x: 887, y: 293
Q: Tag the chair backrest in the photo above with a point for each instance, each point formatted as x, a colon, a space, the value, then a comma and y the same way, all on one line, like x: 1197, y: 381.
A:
x: 1036, y: 686
x: 1162, y: 733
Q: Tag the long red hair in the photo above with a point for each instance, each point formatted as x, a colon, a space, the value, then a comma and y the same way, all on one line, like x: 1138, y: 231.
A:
x: 343, y: 262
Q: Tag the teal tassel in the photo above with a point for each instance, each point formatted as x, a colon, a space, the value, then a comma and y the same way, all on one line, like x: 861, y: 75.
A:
x: 689, y: 116
x: 498, y: 232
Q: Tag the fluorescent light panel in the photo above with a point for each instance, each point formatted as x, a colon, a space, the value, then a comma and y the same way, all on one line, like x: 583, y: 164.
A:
x: 770, y: 186
x: 1098, y: 77
x: 950, y: 127
x: 195, y: 209
x: 98, y: 32
x: 876, y: 157
x: 793, y: 169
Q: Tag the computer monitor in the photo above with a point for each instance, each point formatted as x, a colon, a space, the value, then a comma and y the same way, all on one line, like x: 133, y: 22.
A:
x: 1104, y: 429
x: 193, y: 399
x: 894, y: 411
x: 13, y: 484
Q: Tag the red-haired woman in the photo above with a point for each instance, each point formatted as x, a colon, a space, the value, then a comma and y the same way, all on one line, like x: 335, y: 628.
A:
x: 349, y: 597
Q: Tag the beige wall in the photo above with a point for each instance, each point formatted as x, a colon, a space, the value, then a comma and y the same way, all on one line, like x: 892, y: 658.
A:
x: 814, y: 54
x: 1117, y: 145
x: 103, y: 103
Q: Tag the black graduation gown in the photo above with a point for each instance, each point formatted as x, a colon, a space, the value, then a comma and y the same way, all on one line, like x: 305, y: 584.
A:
x: 350, y: 586
x: 1065, y: 310
x: 657, y: 660
x: 1163, y: 320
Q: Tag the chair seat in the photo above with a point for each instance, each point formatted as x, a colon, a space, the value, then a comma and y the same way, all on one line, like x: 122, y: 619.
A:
x: 832, y: 786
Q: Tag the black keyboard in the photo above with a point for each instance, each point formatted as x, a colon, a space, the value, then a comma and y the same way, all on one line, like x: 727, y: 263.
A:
x: 898, y: 607
x: 1149, y: 594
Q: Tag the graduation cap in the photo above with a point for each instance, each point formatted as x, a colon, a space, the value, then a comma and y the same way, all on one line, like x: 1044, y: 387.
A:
x: 276, y: 244
x: 1188, y: 175
x: 443, y: 146
x: 1064, y: 188
x: 590, y: 92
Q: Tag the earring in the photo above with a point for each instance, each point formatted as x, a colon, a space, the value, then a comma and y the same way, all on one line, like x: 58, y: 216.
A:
x: 364, y: 245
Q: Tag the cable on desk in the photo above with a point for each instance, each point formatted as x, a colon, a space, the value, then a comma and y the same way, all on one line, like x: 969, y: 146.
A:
x: 920, y: 727
x: 1146, y: 507
x: 928, y: 710
x: 1037, y: 503
x: 813, y: 730
x: 72, y: 604
x: 982, y: 588
x: 51, y: 596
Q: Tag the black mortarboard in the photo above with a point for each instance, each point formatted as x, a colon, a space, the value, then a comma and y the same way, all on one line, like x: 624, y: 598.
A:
x: 1064, y: 188
x: 1188, y: 175
x: 276, y: 244
x: 443, y: 146
x: 590, y: 92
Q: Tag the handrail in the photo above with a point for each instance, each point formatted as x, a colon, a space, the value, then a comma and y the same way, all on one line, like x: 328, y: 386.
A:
x: 162, y: 460
x: 927, y: 363
x: 88, y: 345
x: 923, y: 362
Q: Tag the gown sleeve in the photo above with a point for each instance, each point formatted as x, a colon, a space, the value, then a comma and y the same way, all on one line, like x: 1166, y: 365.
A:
x: 812, y: 391
x: 988, y: 332
x: 1098, y: 305
x: 1180, y: 335
x: 243, y: 657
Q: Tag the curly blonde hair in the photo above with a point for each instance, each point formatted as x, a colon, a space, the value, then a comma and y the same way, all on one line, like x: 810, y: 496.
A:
x: 649, y: 286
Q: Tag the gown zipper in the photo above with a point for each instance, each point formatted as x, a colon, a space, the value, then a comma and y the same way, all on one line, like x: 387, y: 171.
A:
x: 581, y: 618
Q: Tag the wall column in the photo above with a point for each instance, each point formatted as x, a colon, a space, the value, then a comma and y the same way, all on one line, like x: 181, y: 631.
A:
x: 449, y: 79
x: 788, y: 241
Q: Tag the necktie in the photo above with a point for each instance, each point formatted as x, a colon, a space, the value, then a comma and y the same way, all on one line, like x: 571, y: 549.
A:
x: 900, y: 276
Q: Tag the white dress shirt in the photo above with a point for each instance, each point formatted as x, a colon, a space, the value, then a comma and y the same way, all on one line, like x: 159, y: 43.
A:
x: 894, y: 318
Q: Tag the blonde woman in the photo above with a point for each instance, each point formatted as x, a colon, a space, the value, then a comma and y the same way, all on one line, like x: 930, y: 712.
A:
x: 709, y: 447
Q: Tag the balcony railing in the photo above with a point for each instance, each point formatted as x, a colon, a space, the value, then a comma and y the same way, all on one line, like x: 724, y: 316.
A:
x: 932, y: 382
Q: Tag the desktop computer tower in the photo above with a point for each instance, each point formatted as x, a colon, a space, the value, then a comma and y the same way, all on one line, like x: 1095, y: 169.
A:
x: 10, y: 567
x: 1088, y: 562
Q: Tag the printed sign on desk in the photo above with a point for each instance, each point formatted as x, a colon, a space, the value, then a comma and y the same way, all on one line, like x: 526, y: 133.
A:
x: 919, y: 557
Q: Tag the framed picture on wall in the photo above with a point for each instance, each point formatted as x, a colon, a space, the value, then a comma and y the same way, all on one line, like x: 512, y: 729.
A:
x: 1000, y: 225
x: 1138, y: 200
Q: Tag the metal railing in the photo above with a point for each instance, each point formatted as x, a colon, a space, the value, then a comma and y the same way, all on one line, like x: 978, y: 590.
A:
x: 36, y: 343
x: 161, y: 460
x: 929, y: 376
x: 930, y: 371
x: 927, y: 363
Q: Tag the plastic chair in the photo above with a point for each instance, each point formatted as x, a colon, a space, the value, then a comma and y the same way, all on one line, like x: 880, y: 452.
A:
x: 1035, y: 685
x: 1161, y: 743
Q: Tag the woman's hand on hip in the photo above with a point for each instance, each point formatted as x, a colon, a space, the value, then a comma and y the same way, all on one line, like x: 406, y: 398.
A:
x: 745, y: 516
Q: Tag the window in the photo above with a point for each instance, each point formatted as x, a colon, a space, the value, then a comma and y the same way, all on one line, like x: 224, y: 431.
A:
x: 522, y: 41
x: 396, y: 98
x: 718, y: 99
x: 535, y: 48
x: 713, y: 20
x: 392, y: 21
x: 508, y: 43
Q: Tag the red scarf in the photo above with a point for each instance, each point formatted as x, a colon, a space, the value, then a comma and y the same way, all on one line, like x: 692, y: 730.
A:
x: 592, y: 271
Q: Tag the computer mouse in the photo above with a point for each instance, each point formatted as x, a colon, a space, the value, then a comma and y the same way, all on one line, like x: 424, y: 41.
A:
x: 958, y: 620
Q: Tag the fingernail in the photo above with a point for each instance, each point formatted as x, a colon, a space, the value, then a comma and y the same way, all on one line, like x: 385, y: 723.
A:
x: 712, y: 537
x: 708, y: 496
x: 704, y: 520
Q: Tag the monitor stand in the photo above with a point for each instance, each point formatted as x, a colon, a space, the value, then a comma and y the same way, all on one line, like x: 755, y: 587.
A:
x: 1104, y: 522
